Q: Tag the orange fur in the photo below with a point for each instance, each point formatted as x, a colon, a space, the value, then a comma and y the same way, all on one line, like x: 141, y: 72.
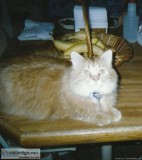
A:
x: 41, y: 87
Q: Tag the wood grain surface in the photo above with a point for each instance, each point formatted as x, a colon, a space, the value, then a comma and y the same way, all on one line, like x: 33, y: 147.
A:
x: 29, y: 133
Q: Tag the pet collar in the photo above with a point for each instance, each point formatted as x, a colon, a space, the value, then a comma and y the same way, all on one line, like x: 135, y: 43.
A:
x: 97, y: 95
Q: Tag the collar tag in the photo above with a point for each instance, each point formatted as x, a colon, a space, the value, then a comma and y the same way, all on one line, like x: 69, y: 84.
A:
x: 97, y: 95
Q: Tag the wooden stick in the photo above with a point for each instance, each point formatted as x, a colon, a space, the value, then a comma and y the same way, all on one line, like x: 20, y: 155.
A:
x: 87, y: 31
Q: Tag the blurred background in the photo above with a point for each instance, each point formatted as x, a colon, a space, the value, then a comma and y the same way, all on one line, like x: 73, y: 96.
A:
x: 14, y: 12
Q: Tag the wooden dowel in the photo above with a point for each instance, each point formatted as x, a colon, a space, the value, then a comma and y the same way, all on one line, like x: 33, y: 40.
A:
x: 87, y: 31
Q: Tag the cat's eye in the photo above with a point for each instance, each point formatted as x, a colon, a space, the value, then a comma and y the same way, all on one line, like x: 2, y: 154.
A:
x: 101, y: 71
x: 86, y: 72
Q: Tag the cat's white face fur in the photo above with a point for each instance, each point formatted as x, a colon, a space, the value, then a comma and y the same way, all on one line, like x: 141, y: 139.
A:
x: 93, y: 76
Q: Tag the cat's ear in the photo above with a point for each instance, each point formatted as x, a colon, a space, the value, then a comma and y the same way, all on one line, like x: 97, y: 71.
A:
x: 77, y: 60
x: 107, y: 57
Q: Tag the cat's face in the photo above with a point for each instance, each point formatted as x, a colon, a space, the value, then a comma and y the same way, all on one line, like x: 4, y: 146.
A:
x: 89, y: 76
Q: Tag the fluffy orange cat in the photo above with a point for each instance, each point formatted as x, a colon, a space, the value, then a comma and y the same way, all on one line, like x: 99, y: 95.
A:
x: 49, y: 88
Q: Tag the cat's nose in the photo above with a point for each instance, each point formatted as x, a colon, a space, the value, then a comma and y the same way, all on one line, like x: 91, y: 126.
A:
x: 96, y: 78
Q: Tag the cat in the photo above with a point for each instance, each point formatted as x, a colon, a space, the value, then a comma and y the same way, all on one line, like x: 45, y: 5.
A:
x: 40, y: 87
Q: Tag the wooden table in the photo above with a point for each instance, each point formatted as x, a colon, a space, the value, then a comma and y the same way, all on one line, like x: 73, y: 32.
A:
x: 28, y: 133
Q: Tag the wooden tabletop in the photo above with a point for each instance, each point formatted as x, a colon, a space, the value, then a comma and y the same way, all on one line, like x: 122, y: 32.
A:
x: 65, y: 132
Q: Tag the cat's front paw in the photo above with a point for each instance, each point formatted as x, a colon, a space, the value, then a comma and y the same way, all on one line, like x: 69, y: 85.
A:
x: 102, y: 119
x: 115, y: 115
